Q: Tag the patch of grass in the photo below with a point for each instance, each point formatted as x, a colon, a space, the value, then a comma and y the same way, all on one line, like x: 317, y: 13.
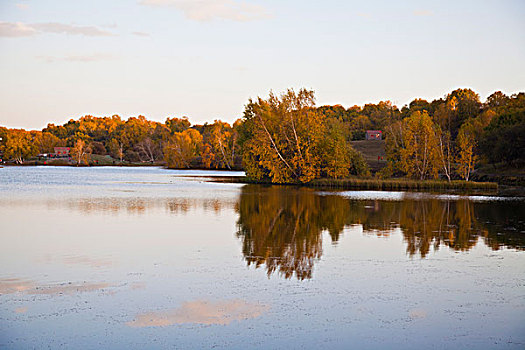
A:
x: 371, y: 150
x: 402, y: 184
x: 385, y: 185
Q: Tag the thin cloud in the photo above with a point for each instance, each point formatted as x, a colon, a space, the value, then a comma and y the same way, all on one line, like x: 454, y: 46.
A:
x: 422, y: 13
x: 76, y: 58
x: 70, y: 29
x: 18, y: 29
x: 110, y: 25
x: 22, y: 6
x: 141, y: 34
x: 208, y: 10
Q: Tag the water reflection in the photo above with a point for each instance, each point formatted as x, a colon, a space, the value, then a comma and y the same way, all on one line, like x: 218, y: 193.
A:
x: 129, y: 206
x: 201, y: 312
x: 16, y: 285
x: 282, y: 227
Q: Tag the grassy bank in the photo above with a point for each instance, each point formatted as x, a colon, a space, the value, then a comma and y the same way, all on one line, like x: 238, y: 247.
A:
x: 94, y: 160
x: 403, y: 184
x: 385, y: 185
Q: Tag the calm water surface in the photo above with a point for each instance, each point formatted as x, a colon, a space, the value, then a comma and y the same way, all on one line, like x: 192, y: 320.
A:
x: 149, y: 258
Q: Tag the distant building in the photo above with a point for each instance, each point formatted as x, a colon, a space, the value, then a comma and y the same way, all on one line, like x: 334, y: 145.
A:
x: 373, y: 135
x: 61, y: 152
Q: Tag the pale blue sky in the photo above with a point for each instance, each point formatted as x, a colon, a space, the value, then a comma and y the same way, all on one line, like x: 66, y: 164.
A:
x: 204, y: 59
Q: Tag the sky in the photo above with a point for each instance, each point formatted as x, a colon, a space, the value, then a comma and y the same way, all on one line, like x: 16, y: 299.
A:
x: 204, y: 59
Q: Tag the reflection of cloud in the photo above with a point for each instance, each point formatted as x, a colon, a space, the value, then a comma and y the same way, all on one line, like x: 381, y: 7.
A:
x: 422, y: 13
x: 417, y: 313
x: 77, y: 58
x: 21, y: 310
x: 138, y: 285
x: 68, y: 288
x: 202, y: 312
x: 17, y: 29
x: 87, y: 261
x: 207, y: 10
x: 15, y: 285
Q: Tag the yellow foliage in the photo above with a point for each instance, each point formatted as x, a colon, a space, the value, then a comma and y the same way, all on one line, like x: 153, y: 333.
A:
x: 182, y: 147
x: 420, y: 157
x: 466, y: 142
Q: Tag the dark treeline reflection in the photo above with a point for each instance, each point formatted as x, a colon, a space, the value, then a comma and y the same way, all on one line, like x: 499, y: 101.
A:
x: 281, y: 227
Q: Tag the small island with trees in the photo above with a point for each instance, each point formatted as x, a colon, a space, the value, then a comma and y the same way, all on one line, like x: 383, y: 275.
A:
x: 453, y: 142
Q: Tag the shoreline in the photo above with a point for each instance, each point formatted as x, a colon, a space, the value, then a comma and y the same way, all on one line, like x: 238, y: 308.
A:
x: 395, y: 184
x: 378, y: 184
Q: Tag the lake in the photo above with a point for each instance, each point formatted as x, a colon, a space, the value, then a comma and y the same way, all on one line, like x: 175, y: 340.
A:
x: 124, y: 258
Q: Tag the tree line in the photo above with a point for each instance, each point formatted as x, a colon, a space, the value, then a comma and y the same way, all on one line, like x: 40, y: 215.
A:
x: 287, y: 138
x: 449, y: 136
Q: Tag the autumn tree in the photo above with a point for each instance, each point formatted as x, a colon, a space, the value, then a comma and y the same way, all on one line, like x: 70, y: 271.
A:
x: 148, y: 151
x: 497, y: 99
x: 284, y: 138
x: 465, y: 104
x: 445, y: 151
x: 220, y: 139
x: 419, y: 157
x: 19, y: 145
x: 116, y: 148
x: 182, y: 148
x: 466, y: 143
x: 47, y: 142
x: 81, y: 152
x: 177, y: 124
x: 284, y: 131
x: 339, y: 159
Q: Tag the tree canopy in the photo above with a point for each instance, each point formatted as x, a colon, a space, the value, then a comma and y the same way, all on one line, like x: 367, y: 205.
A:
x: 287, y: 138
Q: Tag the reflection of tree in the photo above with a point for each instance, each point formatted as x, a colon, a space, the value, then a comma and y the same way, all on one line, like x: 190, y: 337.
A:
x: 139, y: 206
x: 282, y: 227
x: 459, y: 224
x: 503, y: 224
x: 434, y: 222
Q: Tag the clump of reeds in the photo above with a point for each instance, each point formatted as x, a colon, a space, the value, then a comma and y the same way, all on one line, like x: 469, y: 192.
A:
x: 401, y: 184
x: 388, y: 184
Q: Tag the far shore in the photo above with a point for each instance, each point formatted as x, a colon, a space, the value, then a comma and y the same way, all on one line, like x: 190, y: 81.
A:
x: 510, y: 186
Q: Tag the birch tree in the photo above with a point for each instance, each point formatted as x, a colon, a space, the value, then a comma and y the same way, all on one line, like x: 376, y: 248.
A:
x: 81, y: 152
x: 419, y: 158
x: 466, y: 143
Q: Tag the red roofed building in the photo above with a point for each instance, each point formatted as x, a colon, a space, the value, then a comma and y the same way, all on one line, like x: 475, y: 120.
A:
x: 61, y: 151
x: 373, y: 135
